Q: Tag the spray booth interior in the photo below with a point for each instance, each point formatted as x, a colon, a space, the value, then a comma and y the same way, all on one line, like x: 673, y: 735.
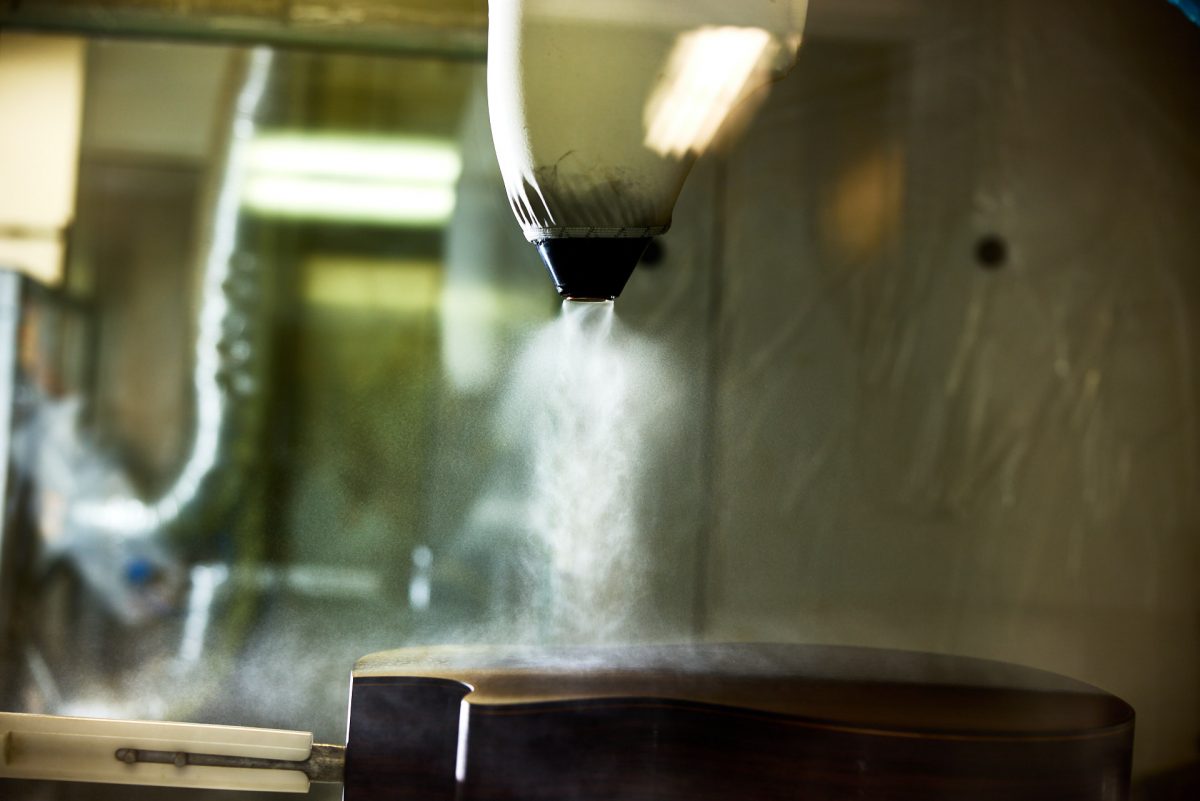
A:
x: 283, y: 383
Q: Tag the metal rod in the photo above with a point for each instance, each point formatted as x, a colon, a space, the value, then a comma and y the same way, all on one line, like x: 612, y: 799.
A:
x: 325, y: 764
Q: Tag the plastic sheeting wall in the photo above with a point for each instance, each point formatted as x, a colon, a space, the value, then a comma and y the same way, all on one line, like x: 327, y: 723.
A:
x: 914, y: 450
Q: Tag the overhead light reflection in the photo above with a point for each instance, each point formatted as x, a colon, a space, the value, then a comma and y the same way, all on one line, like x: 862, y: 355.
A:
x: 395, y: 286
x: 401, y: 160
x: 707, y: 72
x: 342, y: 178
x: 348, y: 200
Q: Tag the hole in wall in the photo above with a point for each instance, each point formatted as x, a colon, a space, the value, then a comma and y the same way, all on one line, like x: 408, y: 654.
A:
x: 991, y: 252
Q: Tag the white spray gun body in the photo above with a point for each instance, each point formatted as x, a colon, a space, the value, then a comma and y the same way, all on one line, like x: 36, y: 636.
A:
x: 598, y: 110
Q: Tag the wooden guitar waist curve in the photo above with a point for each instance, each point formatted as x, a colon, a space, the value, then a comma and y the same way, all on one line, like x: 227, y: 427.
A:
x: 726, y: 722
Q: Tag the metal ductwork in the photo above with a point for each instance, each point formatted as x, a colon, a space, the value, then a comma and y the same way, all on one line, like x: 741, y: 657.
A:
x: 118, y: 540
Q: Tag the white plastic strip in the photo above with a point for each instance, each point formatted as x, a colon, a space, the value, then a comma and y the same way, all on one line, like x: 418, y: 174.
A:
x: 84, y: 750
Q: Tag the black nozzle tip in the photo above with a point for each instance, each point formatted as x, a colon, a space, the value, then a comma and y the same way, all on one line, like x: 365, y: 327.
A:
x: 591, y: 268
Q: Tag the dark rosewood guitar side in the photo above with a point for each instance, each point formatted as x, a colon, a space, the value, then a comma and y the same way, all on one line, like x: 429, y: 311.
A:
x: 726, y: 722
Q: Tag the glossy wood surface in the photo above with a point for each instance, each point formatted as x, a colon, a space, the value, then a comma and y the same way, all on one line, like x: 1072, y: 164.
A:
x: 726, y: 722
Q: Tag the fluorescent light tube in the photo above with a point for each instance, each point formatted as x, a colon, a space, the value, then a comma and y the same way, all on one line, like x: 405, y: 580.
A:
x: 341, y: 178
x: 332, y: 199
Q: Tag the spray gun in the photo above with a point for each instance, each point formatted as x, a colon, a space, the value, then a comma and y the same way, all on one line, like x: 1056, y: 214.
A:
x: 599, y: 110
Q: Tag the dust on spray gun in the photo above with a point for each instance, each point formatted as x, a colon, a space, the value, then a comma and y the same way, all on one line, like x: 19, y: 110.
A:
x: 599, y: 109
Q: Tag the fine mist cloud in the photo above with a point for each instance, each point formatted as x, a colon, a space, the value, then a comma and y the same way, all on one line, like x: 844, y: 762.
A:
x: 585, y: 413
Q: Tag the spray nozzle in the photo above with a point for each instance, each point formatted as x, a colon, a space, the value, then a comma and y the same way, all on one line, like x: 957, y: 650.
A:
x: 591, y: 268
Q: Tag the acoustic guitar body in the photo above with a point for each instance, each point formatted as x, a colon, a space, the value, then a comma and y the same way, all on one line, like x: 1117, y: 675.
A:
x: 726, y: 722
